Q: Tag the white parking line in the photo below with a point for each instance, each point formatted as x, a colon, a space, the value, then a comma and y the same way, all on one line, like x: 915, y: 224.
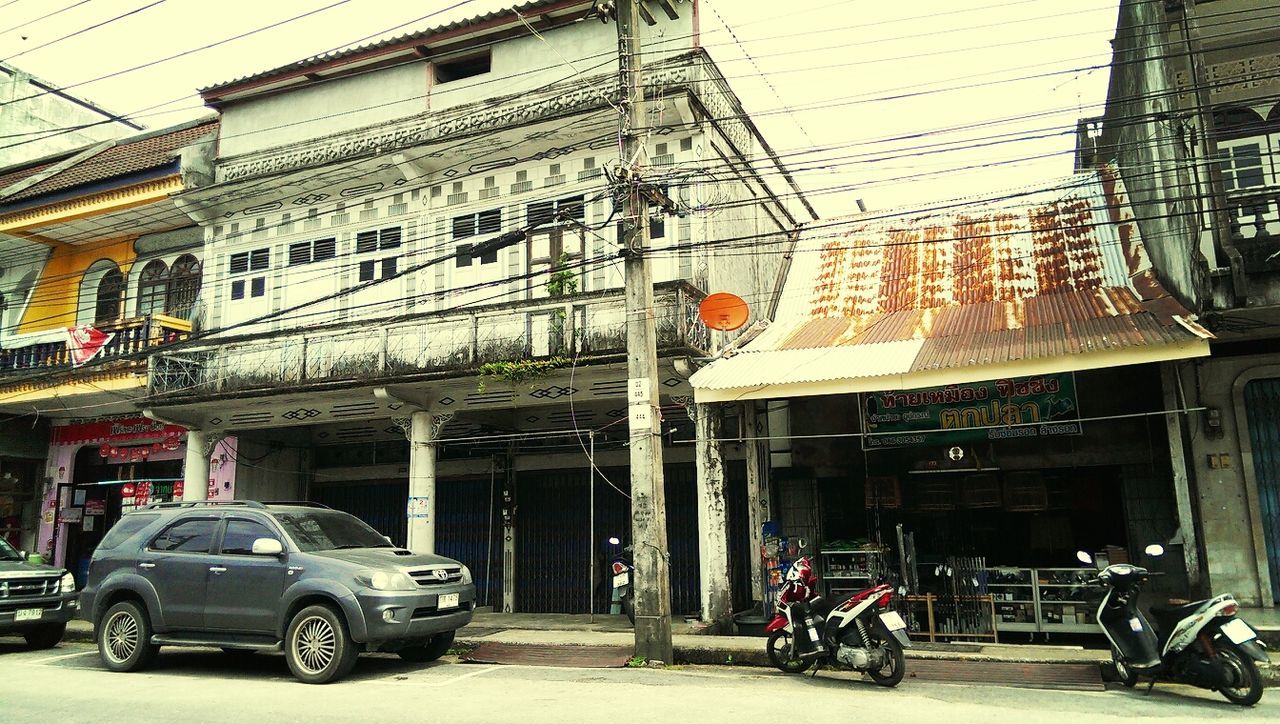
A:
x: 451, y: 680
x: 42, y: 662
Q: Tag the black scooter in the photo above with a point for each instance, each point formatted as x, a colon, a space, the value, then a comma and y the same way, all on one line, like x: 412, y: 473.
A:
x: 622, y: 571
x: 1203, y: 643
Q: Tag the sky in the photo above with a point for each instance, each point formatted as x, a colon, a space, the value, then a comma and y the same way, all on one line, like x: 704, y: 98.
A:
x: 898, y: 104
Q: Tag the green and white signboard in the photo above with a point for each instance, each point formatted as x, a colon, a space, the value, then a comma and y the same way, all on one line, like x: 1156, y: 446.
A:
x: 1005, y: 409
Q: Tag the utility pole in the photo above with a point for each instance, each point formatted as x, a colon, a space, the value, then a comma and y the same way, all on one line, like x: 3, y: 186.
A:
x: 652, y: 584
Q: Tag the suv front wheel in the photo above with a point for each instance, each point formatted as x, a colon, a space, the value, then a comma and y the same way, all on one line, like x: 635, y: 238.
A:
x: 317, y: 646
x: 124, y: 637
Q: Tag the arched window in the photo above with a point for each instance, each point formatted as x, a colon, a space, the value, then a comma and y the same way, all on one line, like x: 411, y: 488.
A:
x: 109, y: 297
x: 152, y: 287
x: 184, y: 286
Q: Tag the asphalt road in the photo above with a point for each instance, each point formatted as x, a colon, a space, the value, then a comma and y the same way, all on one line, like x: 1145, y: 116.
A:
x: 67, y: 684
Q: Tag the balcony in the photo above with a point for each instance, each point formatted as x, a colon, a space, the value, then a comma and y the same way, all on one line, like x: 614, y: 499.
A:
x: 131, y: 336
x: 1255, y: 228
x: 588, y: 326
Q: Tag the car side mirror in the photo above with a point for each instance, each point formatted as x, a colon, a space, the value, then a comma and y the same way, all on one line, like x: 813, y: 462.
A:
x: 267, y: 547
x: 24, y: 556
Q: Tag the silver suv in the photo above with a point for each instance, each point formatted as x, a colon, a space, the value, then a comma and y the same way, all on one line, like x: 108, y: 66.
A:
x: 244, y: 576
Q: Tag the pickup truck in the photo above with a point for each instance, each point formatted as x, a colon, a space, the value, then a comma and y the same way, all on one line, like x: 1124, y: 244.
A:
x: 36, y: 601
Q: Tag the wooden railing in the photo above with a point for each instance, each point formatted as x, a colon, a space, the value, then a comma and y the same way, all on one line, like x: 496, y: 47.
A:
x: 131, y: 336
x: 1255, y: 228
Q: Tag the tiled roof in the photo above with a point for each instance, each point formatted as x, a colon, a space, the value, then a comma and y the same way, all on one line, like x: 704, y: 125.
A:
x: 127, y: 156
x: 404, y: 39
x: 1039, y: 281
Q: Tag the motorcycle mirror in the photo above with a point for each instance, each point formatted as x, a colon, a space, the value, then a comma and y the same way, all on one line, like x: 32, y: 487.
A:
x: 1155, y: 550
x: 1084, y: 557
x: 800, y: 544
x: 613, y: 540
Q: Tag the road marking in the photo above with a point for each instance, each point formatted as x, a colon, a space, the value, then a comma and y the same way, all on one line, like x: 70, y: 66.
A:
x: 451, y: 680
x: 42, y: 662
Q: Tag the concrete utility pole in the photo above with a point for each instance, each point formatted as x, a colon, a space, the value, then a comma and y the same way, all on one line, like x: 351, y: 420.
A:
x: 652, y: 583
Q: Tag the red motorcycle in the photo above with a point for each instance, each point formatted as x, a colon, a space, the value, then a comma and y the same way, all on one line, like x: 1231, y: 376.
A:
x: 860, y: 633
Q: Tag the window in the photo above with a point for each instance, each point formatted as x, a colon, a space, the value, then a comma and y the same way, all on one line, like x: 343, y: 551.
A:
x: 542, y: 212
x: 124, y: 530
x: 389, y: 266
x: 460, y: 68
x: 237, y: 289
x: 190, y: 535
x: 184, y: 286
x: 256, y: 260
x: 153, y: 287
x: 489, y: 257
x: 367, y: 270
x: 240, y: 535
x: 375, y: 239
x: 1241, y: 166
x: 109, y: 297
x: 300, y: 253
x: 464, y: 255
x: 324, y: 249
x: 257, y: 286
x: 485, y: 222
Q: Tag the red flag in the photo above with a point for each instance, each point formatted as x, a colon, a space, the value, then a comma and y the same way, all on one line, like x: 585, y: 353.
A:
x: 85, y: 342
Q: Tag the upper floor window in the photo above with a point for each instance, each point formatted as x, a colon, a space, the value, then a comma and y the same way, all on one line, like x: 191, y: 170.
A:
x: 484, y: 222
x: 305, y: 252
x: 109, y: 297
x: 184, y: 286
x: 375, y: 239
x: 541, y: 212
x: 465, y: 67
x: 1241, y: 166
x: 256, y: 260
x: 153, y: 286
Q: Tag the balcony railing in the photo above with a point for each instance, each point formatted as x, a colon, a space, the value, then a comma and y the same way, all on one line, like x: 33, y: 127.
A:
x: 1255, y: 228
x: 449, y: 343
x: 131, y: 335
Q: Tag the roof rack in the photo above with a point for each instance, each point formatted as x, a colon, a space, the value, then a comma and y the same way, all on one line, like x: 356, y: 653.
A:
x: 298, y: 503
x: 199, y: 503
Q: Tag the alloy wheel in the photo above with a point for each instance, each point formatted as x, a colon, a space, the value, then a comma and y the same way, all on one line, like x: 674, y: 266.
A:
x: 315, y: 644
x: 122, y: 636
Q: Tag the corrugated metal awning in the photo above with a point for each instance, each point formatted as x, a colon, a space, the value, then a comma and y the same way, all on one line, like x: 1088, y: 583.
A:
x: 1042, y: 281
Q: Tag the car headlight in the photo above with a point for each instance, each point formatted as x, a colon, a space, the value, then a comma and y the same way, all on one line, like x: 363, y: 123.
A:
x: 466, y: 575
x: 387, y: 581
x: 67, y: 584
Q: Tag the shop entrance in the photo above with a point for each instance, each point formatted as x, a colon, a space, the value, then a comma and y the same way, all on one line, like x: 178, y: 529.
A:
x: 100, y: 493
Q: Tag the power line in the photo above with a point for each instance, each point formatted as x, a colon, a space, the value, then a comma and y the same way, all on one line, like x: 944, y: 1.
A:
x: 82, y: 31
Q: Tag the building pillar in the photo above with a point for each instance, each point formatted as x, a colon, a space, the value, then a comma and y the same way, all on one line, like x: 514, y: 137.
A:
x: 424, y: 429
x: 509, y: 531
x: 758, y: 497
x: 1181, y: 480
x: 713, y: 521
x: 195, y: 469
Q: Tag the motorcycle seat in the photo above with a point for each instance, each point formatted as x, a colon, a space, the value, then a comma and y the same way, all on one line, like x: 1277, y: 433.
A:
x: 1176, y: 612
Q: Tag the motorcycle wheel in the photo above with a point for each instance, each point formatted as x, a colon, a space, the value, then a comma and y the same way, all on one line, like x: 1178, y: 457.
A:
x: 1124, y: 674
x: 629, y: 608
x: 895, y: 669
x: 782, y: 654
x: 1248, y: 690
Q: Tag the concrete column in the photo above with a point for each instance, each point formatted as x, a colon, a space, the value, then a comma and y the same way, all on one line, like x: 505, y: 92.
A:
x: 1181, y: 481
x: 195, y: 470
x: 713, y: 522
x: 509, y: 531
x: 757, y: 495
x: 422, y: 482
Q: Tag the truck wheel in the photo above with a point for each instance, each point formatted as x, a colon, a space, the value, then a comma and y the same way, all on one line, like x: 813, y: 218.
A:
x: 317, y: 646
x: 435, y: 648
x: 124, y: 637
x: 46, y: 636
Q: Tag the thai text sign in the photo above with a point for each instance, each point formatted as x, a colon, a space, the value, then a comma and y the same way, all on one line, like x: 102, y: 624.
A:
x: 1005, y: 409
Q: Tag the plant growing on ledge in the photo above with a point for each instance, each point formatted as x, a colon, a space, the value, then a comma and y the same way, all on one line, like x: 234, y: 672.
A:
x: 522, y: 370
x: 562, y: 281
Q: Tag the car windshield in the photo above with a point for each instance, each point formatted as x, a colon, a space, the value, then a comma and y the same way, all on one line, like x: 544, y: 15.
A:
x: 7, y: 553
x: 327, y: 530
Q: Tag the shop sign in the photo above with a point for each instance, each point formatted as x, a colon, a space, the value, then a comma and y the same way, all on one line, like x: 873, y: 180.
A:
x: 71, y: 515
x: 115, y: 430
x: 1004, y: 409
x: 136, y: 453
x: 95, y: 507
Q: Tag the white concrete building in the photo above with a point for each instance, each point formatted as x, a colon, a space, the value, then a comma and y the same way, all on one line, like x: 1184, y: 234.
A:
x: 506, y: 370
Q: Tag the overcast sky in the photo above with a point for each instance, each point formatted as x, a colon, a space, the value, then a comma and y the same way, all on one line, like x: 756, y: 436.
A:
x: 818, y: 82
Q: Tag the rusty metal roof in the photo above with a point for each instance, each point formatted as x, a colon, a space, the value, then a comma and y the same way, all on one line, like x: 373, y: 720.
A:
x: 1040, y: 280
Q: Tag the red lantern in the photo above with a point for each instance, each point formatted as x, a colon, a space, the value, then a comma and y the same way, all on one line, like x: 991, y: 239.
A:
x: 104, y: 450
x: 177, y: 490
x: 126, y: 490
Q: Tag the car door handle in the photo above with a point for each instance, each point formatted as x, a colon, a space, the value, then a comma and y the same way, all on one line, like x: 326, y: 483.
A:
x: 217, y: 569
x: 146, y: 564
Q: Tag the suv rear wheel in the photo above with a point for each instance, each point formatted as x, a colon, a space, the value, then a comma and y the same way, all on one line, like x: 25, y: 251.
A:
x: 317, y: 646
x: 435, y: 648
x: 124, y: 637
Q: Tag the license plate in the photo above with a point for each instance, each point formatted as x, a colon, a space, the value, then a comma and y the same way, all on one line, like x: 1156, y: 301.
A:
x: 447, y: 600
x: 1238, y: 631
x: 27, y: 614
x: 892, y: 621
x: 621, y: 579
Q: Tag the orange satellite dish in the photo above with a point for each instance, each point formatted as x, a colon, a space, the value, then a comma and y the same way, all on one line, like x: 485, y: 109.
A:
x: 724, y: 311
